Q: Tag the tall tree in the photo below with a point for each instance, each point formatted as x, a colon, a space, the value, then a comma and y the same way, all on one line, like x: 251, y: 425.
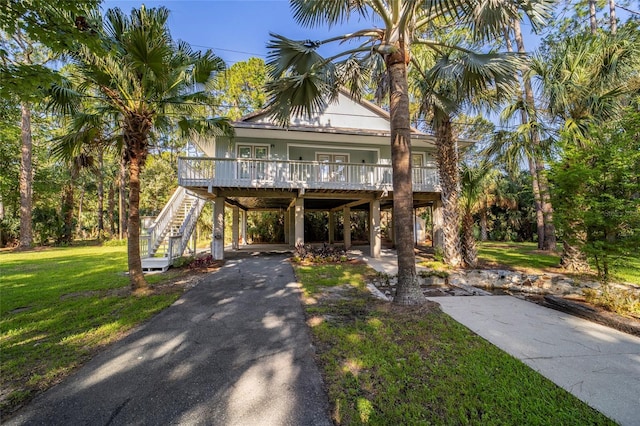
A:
x: 457, y: 82
x: 586, y: 80
x: 144, y: 78
x: 33, y: 33
x: 304, y: 81
x: 240, y: 90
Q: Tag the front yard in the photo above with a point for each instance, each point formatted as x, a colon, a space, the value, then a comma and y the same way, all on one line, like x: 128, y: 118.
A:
x: 61, y: 305
x: 388, y: 365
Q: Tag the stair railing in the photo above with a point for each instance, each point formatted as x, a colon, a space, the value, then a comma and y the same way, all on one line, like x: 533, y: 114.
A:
x: 189, y: 223
x: 156, y: 232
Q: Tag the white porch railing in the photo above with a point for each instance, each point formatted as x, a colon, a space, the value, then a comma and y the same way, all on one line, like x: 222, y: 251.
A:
x: 254, y: 173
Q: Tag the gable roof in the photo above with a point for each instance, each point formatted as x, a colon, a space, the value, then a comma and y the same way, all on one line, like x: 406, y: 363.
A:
x: 345, y: 115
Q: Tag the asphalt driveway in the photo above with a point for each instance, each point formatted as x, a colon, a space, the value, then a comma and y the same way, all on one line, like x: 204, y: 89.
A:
x: 234, y: 350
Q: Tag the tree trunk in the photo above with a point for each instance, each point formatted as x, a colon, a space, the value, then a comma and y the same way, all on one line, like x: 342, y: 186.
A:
x: 612, y: 17
x: 137, y: 127
x: 79, y: 224
x: 469, y: 250
x: 484, y: 232
x: 26, y: 179
x: 122, y: 201
x: 447, y: 157
x: 549, y: 241
x: 537, y: 201
x: 100, y: 193
x: 592, y: 16
x: 136, y: 277
x: 111, y: 207
x: 408, y: 291
x: 67, y: 213
x: 573, y: 258
x: 1, y: 220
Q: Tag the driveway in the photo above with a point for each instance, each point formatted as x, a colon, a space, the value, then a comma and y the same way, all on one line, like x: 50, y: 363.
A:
x: 234, y: 350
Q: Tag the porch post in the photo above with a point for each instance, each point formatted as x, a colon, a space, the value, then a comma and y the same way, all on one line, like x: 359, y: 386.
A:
x: 299, y: 221
x: 438, y: 223
x: 292, y: 226
x: 243, y: 228
x: 217, y: 242
x: 332, y: 226
x: 346, y: 213
x: 287, y: 218
x: 235, y: 228
x: 374, y: 228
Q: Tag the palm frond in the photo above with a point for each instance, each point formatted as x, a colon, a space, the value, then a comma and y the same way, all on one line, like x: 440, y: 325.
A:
x: 329, y: 12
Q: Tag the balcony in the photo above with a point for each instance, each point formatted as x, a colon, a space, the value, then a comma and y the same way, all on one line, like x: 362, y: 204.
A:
x: 206, y: 172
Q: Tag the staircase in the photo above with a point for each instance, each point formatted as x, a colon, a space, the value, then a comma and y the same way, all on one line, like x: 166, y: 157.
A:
x: 168, y: 236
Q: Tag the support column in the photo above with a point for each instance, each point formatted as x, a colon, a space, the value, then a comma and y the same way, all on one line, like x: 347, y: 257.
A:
x: 374, y: 228
x: 235, y: 227
x: 299, y: 221
x: 217, y: 243
x: 287, y: 218
x: 346, y: 213
x: 292, y: 226
x: 438, y: 223
x: 332, y: 226
x: 243, y: 227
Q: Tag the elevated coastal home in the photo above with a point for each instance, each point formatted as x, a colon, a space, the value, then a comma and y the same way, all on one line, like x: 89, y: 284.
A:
x: 338, y: 161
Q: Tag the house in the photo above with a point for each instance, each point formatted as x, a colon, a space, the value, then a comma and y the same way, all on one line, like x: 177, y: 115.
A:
x: 338, y: 161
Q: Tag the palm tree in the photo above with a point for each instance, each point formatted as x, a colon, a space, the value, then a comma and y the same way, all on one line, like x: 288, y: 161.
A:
x: 473, y: 184
x: 303, y: 81
x: 144, y: 78
x: 458, y: 81
x: 586, y: 81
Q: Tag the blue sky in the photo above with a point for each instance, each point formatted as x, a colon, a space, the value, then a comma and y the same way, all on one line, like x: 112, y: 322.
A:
x: 237, y: 29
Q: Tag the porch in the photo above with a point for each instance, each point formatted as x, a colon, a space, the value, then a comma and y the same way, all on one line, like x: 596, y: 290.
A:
x: 208, y: 172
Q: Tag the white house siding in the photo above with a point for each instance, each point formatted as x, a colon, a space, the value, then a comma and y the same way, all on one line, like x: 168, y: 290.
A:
x: 345, y: 114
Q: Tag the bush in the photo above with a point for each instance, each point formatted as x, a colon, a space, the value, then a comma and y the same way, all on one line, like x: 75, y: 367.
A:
x: 324, y: 254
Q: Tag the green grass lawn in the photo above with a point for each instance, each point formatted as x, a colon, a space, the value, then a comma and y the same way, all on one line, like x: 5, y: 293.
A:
x: 526, y: 257
x: 389, y: 365
x: 516, y: 255
x: 57, y: 307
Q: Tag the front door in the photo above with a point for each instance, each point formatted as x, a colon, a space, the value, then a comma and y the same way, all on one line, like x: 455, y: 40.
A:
x: 332, y: 172
x: 249, y: 164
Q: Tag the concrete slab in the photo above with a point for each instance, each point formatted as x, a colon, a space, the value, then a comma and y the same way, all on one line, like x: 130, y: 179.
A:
x: 599, y: 365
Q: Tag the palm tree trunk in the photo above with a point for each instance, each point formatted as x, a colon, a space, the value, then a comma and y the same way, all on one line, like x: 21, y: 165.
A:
x: 592, y: 16
x: 484, y: 233
x: 136, y: 277
x: 67, y: 213
x: 469, y: 251
x: 447, y: 157
x: 79, y: 224
x: 408, y: 291
x: 573, y: 258
x: 122, y: 201
x: 1, y: 220
x: 549, y: 242
x: 537, y: 200
x: 100, y: 193
x: 26, y: 179
x: 612, y: 17
x: 111, y: 207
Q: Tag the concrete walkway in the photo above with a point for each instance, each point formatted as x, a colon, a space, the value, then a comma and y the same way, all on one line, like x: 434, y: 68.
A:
x: 597, y: 364
x: 234, y: 350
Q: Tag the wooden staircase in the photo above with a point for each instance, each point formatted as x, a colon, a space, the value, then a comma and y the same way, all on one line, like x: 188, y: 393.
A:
x: 168, y: 237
